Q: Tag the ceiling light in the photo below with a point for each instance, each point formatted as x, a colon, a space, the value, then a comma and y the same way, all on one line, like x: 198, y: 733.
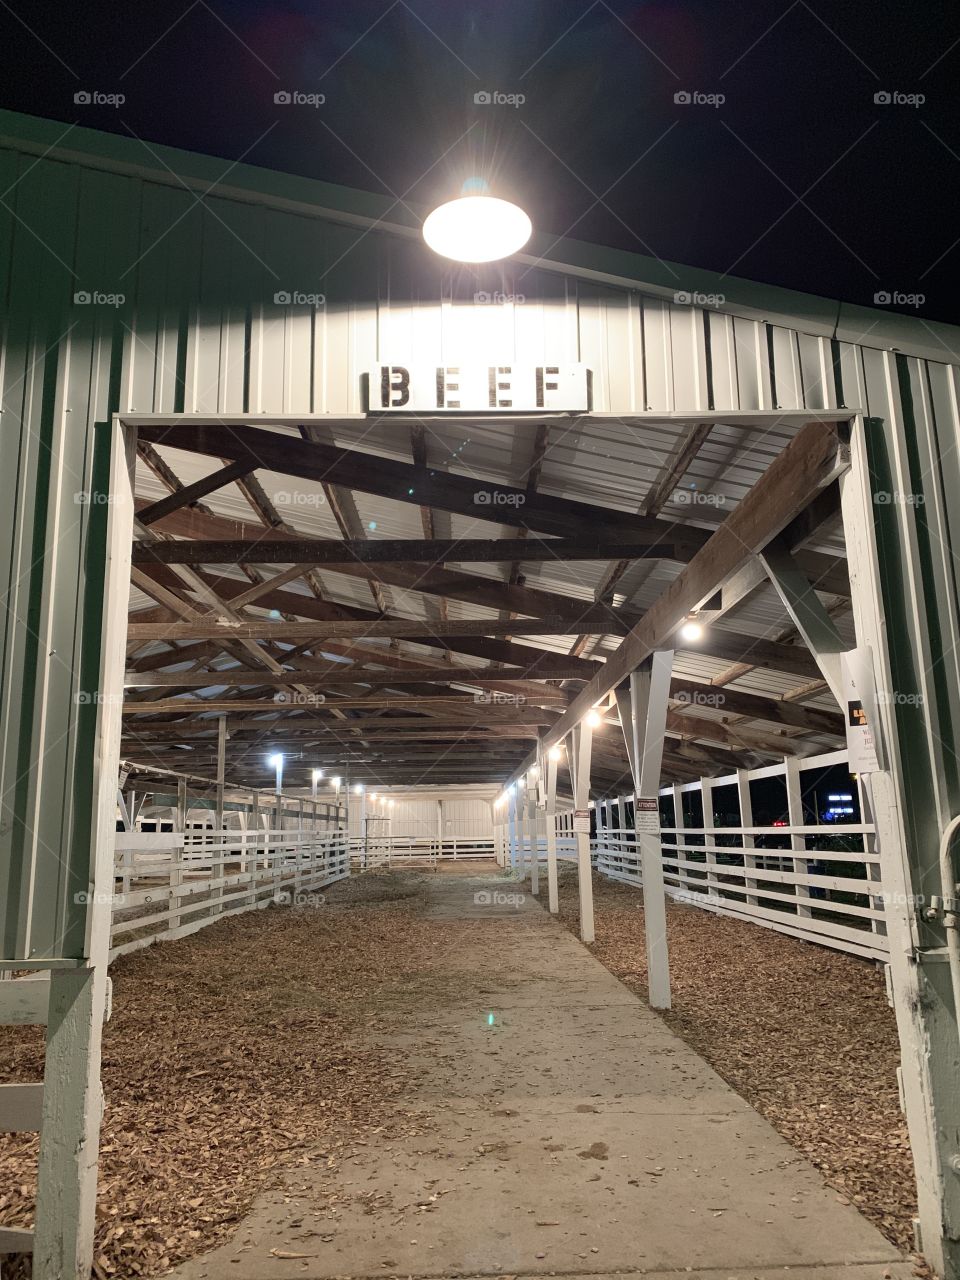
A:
x: 556, y: 753
x: 593, y: 719
x: 477, y: 229
x: 691, y: 630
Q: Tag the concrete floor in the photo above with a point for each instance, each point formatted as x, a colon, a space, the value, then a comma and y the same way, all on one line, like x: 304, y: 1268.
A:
x: 567, y: 1132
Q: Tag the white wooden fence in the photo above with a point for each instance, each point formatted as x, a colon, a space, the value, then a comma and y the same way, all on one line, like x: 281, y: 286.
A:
x: 389, y: 850
x: 170, y: 884
x: 782, y: 877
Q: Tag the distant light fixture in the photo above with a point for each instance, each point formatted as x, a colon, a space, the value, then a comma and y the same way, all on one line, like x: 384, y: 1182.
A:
x: 691, y: 630
x: 276, y: 762
x: 593, y: 719
x: 335, y: 782
x: 477, y: 229
x: 556, y: 753
x: 358, y: 789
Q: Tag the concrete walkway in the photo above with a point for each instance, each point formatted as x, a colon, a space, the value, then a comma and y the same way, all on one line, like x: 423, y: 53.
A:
x: 573, y: 1134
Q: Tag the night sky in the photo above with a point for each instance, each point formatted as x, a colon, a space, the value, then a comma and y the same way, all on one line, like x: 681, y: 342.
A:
x: 787, y: 170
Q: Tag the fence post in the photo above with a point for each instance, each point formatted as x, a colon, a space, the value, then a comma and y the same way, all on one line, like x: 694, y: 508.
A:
x: 177, y: 855
x: 709, y: 837
x: 791, y: 773
x: 581, y: 750
x: 550, y: 815
x: 745, y: 805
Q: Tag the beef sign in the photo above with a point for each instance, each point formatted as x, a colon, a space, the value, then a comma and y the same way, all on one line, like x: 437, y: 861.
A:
x: 508, y: 388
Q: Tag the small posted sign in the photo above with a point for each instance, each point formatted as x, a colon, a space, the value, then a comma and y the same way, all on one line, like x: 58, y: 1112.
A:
x: 860, y: 711
x: 581, y: 821
x: 647, y: 810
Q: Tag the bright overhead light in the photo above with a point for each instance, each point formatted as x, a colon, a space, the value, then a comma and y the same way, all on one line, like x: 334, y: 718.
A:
x: 593, y: 719
x: 691, y: 630
x: 276, y: 762
x: 556, y: 753
x: 317, y: 775
x: 358, y: 789
x: 373, y: 796
x: 477, y: 229
x: 335, y: 782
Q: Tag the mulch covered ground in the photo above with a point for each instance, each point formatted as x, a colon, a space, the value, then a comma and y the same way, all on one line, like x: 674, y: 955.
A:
x: 804, y: 1034
x: 220, y: 1072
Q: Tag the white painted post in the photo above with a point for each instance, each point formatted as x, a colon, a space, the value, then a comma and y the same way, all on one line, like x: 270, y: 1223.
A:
x: 521, y: 786
x: 680, y: 824
x: 745, y: 804
x: 709, y: 836
x: 512, y: 826
x: 649, y: 694
x: 791, y: 773
x: 581, y: 750
x: 533, y: 827
x: 550, y: 814
x: 176, y: 856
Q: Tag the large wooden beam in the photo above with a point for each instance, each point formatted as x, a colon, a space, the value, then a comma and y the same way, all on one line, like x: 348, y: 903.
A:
x: 694, y: 693
x: 234, y: 470
x: 337, y: 676
x: 406, y: 482
x: 814, y: 459
x: 411, y: 628
x: 332, y: 551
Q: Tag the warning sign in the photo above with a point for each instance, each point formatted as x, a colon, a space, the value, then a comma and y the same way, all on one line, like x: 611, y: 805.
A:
x: 581, y: 821
x: 647, y: 812
x: 860, y: 704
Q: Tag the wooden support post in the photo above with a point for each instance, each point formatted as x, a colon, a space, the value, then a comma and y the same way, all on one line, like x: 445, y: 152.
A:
x: 550, y: 816
x: 533, y: 830
x: 512, y: 825
x: 798, y: 844
x: 643, y: 718
x: 745, y: 803
x: 581, y: 750
x: 709, y: 836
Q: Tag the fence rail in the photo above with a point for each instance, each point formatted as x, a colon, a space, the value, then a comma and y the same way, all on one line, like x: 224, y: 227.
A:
x: 170, y: 884
x: 379, y: 851
x: 816, y: 881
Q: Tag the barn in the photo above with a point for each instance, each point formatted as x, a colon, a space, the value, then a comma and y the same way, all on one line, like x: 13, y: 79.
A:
x: 336, y: 569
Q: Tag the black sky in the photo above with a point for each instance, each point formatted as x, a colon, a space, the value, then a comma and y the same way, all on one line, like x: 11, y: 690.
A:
x: 799, y: 177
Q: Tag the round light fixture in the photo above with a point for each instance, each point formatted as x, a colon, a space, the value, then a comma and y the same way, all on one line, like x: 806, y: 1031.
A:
x: 593, y: 719
x: 691, y: 631
x: 477, y: 229
x: 556, y: 753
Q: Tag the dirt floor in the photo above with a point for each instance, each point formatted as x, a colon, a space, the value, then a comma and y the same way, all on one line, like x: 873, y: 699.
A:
x: 222, y: 1076
x: 219, y: 1072
x: 803, y: 1033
